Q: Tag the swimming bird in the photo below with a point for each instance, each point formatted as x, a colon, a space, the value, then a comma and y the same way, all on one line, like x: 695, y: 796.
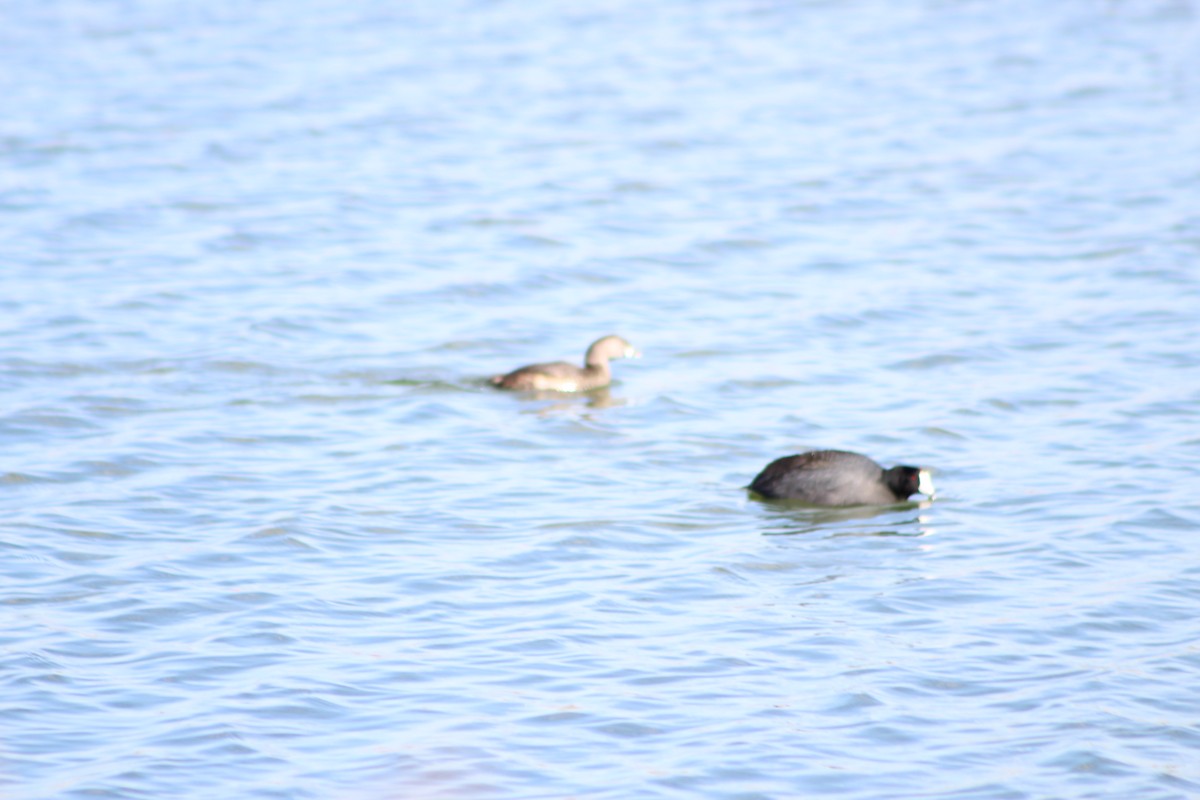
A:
x: 559, y: 376
x: 839, y: 478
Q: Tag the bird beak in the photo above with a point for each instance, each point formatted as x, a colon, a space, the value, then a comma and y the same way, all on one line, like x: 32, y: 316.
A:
x: 925, y: 483
x: 631, y: 352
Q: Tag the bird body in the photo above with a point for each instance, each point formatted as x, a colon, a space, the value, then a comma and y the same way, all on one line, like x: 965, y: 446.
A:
x: 839, y: 478
x: 559, y: 376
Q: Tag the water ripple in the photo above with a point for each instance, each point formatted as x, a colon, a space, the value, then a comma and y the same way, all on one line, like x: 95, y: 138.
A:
x: 268, y: 531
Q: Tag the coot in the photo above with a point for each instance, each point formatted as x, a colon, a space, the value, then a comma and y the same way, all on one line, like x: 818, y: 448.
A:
x: 838, y: 478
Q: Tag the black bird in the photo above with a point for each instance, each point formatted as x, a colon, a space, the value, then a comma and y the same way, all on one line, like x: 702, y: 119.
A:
x: 838, y: 478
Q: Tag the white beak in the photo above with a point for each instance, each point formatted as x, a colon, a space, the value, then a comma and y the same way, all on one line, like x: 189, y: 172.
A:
x: 925, y: 483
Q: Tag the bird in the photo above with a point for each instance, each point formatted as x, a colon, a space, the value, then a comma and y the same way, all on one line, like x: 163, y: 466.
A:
x: 559, y: 376
x: 839, y: 478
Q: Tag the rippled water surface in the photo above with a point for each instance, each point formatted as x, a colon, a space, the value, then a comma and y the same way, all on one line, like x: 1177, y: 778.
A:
x: 268, y: 534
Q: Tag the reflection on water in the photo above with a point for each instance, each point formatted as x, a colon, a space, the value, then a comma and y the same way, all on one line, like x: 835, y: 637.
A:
x: 783, y: 517
x: 557, y: 402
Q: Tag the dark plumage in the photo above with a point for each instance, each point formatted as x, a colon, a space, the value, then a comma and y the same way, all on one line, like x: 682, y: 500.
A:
x: 559, y: 376
x: 838, y: 478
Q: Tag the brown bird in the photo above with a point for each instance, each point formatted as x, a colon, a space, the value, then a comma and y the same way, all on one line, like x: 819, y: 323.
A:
x: 559, y: 376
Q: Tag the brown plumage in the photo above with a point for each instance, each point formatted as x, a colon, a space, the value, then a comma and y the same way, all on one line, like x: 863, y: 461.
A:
x: 559, y: 376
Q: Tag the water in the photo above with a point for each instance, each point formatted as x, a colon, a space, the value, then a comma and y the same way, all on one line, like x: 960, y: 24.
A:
x: 267, y: 533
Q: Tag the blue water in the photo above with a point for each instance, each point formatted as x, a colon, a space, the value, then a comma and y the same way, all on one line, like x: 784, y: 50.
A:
x: 268, y: 534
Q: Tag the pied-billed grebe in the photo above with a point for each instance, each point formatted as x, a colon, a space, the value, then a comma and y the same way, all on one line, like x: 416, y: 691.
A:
x: 838, y: 478
x: 559, y: 376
